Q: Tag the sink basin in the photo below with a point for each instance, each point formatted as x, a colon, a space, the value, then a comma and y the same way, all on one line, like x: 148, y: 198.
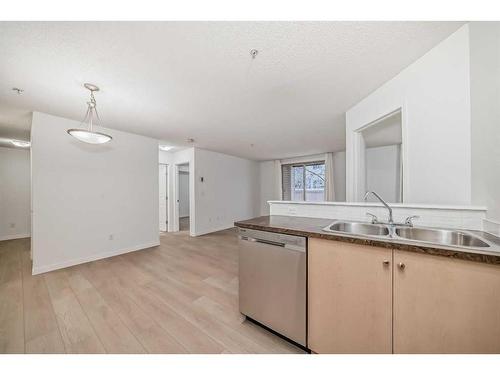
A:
x: 440, y: 236
x: 358, y: 228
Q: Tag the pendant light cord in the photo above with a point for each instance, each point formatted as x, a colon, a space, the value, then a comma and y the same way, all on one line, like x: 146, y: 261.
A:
x: 91, y: 109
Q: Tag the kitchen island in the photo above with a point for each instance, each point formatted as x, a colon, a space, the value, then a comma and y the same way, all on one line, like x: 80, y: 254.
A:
x: 379, y: 294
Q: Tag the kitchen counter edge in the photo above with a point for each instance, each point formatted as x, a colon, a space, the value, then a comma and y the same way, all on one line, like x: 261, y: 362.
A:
x: 312, y: 228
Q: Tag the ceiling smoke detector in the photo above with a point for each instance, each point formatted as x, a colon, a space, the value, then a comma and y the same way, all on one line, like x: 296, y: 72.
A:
x: 18, y: 90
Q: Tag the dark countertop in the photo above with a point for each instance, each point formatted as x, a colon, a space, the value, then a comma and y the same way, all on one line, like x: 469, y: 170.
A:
x: 313, y: 227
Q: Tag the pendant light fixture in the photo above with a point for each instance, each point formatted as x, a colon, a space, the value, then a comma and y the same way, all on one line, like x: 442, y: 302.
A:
x: 19, y: 143
x: 92, y: 118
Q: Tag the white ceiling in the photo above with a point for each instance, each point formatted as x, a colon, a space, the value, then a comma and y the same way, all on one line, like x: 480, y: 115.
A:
x: 179, y: 80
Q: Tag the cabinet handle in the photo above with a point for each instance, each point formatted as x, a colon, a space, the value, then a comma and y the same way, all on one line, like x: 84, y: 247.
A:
x: 385, y: 262
x: 401, y: 266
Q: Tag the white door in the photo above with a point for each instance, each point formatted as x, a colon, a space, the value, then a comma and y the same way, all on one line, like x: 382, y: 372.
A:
x: 163, y: 197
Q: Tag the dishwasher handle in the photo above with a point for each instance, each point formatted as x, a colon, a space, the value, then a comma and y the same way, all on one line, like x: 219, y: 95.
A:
x: 259, y: 240
x: 284, y: 245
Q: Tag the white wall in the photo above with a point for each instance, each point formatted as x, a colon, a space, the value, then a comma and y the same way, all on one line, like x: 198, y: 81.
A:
x: 268, y: 189
x: 339, y: 175
x: 183, y: 194
x: 485, y: 107
x: 15, y: 198
x: 229, y: 192
x: 165, y: 157
x: 84, y: 194
x: 382, y: 172
x: 434, y: 95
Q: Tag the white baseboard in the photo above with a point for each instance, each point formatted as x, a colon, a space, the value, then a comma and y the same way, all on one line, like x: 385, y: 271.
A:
x: 15, y: 236
x: 74, y: 262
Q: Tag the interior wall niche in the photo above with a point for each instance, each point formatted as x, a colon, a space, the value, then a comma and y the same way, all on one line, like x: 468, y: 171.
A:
x: 379, y: 161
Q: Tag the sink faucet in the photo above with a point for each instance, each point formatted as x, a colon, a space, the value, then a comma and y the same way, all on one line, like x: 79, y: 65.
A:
x: 383, y: 202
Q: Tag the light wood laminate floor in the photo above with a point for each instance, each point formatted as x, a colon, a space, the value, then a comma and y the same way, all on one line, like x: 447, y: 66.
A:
x: 184, y: 223
x: 179, y: 297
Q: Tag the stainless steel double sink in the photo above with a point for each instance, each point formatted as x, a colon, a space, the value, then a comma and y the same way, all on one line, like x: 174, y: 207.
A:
x: 447, y: 237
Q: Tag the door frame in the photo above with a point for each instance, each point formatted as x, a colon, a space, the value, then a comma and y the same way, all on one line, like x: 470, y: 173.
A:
x: 166, y: 194
x: 175, y: 226
x: 355, y: 154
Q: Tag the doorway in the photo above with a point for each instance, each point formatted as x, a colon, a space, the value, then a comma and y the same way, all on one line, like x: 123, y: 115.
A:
x: 382, y: 141
x: 183, y: 197
x: 378, y: 159
x: 163, y: 197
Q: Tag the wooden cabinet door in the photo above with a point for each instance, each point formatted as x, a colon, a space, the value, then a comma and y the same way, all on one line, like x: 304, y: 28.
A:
x: 445, y: 305
x: 349, y: 298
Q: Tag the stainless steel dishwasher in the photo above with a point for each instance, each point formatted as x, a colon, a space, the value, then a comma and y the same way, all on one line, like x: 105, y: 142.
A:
x: 272, y: 281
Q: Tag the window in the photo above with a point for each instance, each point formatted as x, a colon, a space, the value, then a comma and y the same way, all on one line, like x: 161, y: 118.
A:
x: 303, y: 182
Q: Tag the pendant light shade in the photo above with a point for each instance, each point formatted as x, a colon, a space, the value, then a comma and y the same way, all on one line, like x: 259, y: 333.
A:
x: 91, y: 117
x: 86, y: 136
x: 18, y: 143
